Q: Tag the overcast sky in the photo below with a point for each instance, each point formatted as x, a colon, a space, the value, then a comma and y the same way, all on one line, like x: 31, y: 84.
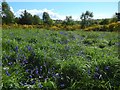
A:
x: 59, y: 10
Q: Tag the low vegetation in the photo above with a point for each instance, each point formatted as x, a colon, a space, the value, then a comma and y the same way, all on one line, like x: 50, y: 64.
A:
x: 70, y: 60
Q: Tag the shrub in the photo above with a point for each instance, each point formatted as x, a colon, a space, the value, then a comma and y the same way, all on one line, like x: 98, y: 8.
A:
x: 55, y: 28
x: 109, y: 27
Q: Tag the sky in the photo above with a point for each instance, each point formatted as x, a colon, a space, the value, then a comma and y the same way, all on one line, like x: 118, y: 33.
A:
x: 59, y: 10
x: 62, y: 0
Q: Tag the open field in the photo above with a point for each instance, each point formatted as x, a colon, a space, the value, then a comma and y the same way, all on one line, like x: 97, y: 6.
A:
x: 60, y: 60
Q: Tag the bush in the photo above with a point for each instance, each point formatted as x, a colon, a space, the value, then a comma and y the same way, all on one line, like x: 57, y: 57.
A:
x: 114, y: 27
x: 54, y: 28
x: 109, y: 27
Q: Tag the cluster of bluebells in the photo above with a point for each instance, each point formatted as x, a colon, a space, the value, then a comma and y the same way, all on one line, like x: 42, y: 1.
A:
x: 40, y: 72
x: 101, y: 73
x: 38, y: 67
x: 97, y: 74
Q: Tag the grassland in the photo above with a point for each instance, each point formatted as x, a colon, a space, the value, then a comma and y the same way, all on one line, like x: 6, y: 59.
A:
x: 60, y: 60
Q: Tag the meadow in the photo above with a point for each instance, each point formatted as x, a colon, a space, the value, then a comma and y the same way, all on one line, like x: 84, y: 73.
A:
x: 60, y: 60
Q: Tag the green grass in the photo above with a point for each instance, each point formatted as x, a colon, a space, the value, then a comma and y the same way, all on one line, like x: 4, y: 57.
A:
x: 70, y: 60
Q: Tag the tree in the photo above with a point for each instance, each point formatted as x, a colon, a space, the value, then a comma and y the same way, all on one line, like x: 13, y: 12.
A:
x: 25, y: 18
x: 7, y: 14
x: 36, y: 20
x: 68, y: 20
x: 86, y: 19
x: 46, y: 19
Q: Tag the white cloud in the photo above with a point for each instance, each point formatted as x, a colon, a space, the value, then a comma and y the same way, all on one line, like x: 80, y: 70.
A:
x: 11, y: 8
x: 51, y: 12
x: 55, y: 15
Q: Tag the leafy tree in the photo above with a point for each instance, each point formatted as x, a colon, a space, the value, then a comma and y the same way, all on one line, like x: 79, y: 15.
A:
x: 68, y: 21
x: 25, y: 18
x: 7, y: 15
x: 86, y: 19
x: 36, y: 20
x: 46, y: 19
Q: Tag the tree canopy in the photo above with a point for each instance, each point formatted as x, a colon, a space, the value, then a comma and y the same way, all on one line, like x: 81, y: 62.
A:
x: 46, y: 19
x: 86, y: 19
x: 28, y: 19
x: 68, y: 21
x: 36, y: 20
x: 7, y: 15
x: 25, y: 18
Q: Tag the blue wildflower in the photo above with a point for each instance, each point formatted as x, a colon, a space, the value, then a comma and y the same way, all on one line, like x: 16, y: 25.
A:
x: 25, y: 83
x: 62, y: 85
x: 97, y: 76
x: 97, y: 68
x: 33, y: 82
x: 29, y: 48
x: 46, y: 79
x: 40, y: 68
x: 27, y: 70
x: 61, y: 32
x: 16, y: 48
x: 7, y: 73
x: 24, y: 62
x: 89, y: 72
x: 30, y: 76
x: 40, y: 86
x: 10, y: 63
x: 37, y: 72
x: 107, y: 67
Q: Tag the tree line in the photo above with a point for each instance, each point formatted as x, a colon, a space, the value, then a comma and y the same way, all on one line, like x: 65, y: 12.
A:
x: 28, y: 19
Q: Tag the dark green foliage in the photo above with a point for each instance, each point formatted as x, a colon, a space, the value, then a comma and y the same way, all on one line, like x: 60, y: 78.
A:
x: 7, y: 15
x: 86, y: 19
x: 68, y: 21
x: 25, y: 18
x: 104, y: 22
x: 36, y: 20
x: 46, y: 19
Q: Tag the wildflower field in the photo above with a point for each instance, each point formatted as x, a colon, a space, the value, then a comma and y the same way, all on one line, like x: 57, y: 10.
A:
x: 60, y: 60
